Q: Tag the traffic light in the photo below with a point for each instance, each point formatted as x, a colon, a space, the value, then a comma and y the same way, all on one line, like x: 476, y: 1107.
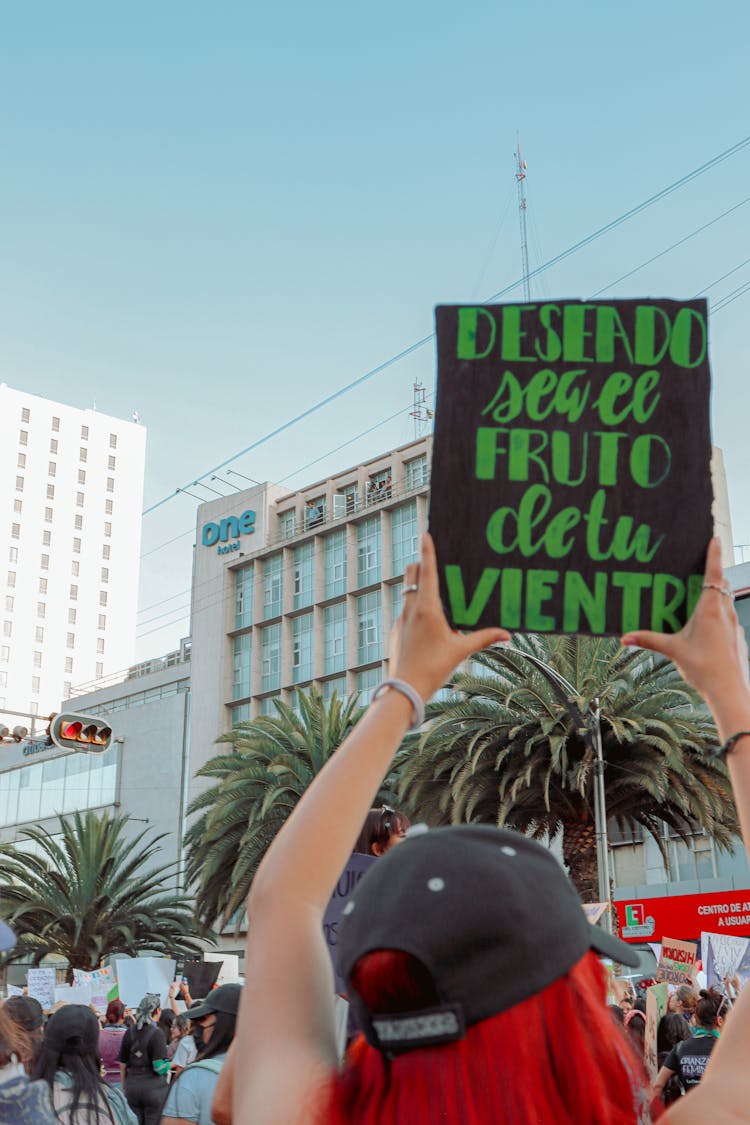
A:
x: 80, y: 732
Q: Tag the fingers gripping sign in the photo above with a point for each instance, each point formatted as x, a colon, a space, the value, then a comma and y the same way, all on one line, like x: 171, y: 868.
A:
x: 710, y: 652
x: 426, y: 650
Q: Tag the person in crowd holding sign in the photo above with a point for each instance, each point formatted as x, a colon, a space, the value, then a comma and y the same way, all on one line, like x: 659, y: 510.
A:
x: 448, y: 957
x: 144, y: 1065
x: 70, y: 1064
x: 190, y: 1094
x: 688, y: 1060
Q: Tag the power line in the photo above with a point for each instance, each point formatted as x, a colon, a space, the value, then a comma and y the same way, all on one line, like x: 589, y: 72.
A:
x: 668, y: 250
x: 381, y: 367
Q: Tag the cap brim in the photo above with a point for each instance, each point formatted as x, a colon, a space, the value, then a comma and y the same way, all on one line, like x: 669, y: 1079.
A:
x: 199, y: 1011
x: 614, y: 947
x: 7, y: 938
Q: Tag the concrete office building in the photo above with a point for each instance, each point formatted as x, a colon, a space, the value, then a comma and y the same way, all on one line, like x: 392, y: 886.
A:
x: 71, y: 490
x: 295, y: 588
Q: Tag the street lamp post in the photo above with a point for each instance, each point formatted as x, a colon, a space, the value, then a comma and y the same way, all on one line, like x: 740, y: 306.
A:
x: 589, y: 725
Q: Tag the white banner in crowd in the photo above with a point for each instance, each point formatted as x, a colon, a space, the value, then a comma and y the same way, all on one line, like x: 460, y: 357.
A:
x: 229, y: 973
x: 138, y: 975
x: 725, y: 955
x: 73, y: 994
x: 102, y: 984
x: 41, y: 984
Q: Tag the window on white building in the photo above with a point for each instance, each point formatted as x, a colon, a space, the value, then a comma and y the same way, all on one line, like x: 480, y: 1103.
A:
x: 241, y: 666
x: 368, y: 551
x: 55, y: 424
x: 287, y: 523
x: 271, y: 658
x: 369, y: 628
x: 273, y: 585
x: 302, y: 648
x: 25, y: 414
x: 404, y: 536
x: 416, y: 472
x: 243, y: 596
x: 303, y: 575
x: 21, y: 460
x: 334, y: 638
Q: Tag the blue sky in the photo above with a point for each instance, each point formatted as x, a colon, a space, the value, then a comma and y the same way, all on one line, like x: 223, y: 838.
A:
x: 217, y: 214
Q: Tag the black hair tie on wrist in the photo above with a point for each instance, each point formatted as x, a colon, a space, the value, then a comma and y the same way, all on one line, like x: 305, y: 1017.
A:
x: 728, y: 746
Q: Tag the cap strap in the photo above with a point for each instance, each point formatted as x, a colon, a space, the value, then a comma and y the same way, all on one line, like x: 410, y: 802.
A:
x: 425, y: 1028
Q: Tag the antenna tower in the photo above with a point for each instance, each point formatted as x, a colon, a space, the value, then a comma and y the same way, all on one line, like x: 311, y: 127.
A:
x: 521, y: 191
x: 420, y: 412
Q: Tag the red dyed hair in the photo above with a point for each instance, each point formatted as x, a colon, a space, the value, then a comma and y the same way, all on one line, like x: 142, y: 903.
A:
x: 556, y: 1057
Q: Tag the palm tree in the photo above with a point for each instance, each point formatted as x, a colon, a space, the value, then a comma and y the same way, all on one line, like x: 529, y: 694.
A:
x: 504, y: 749
x: 87, y: 892
x: 271, y: 763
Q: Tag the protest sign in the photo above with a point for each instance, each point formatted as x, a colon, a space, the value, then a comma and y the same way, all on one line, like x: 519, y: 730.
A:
x: 229, y: 973
x: 572, y: 439
x: 73, y: 994
x: 677, y: 961
x: 14, y: 990
x: 356, y: 867
x: 138, y: 975
x: 41, y: 985
x: 201, y: 977
x: 657, y: 997
x: 725, y: 955
x: 102, y: 983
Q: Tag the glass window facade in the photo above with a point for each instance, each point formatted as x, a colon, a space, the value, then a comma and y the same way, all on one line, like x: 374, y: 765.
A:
x: 241, y: 714
x: 303, y: 574
x: 267, y: 707
x: 271, y: 658
x: 241, y: 666
x: 287, y: 523
x: 273, y: 585
x: 59, y: 785
x: 337, y: 685
x: 302, y: 648
x: 416, y: 471
x: 334, y: 632
x: 397, y: 601
x: 404, y: 536
x: 243, y: 597
x: 368, y: 551
x: 335, y: 564
x: 366, y: 684
x: 369, y: 628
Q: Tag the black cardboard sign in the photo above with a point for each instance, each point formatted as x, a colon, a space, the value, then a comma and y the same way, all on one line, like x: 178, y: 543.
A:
x: 571, y: 483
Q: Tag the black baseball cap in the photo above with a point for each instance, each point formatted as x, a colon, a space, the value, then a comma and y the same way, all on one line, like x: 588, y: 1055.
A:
x: 489, y: 913
x: 225, y: 998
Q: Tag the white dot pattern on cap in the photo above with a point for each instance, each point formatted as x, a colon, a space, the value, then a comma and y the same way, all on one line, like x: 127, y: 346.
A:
x: 507, y: 850
x: 348, y: 908
x: 436, y: 884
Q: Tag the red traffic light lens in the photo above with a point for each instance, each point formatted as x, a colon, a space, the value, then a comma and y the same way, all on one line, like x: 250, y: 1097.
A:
x: 72, y: 731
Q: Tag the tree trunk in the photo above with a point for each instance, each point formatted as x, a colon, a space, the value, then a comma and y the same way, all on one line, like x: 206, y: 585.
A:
x: 579, y: 856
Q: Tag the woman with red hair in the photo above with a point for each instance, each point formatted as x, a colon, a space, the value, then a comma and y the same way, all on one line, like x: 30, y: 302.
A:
x: 468, y: 959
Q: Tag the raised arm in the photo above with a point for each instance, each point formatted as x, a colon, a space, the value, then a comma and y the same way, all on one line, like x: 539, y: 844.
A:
x: 286, y: 1029
x: 711, y: 654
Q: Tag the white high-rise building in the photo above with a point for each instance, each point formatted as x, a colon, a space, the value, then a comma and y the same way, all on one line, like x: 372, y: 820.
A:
x: 71, y: 491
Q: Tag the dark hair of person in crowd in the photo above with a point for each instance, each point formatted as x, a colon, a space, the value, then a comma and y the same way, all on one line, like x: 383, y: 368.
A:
x: 15, y: 1041
x: 183, y: 1024
x: 221, y: 1036
x: 711, y: 1004
x: 71, y: 1043
x: 617, y: 1013
x: 672, y: 1029
x: 635, y: 1026
x: 382, y: 828
x: 115, y: 1011
x: 165, y: 1021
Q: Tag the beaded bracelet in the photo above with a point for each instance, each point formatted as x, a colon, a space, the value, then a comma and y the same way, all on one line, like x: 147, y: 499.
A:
x: 728, y: 746
x: 411, y: 694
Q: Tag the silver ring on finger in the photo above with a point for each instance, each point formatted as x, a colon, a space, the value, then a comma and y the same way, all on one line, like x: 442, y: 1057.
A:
x: 719, y: 589
x: 411, y: 589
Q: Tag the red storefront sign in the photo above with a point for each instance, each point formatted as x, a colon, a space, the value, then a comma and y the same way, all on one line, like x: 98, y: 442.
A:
x: 685, y: 916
